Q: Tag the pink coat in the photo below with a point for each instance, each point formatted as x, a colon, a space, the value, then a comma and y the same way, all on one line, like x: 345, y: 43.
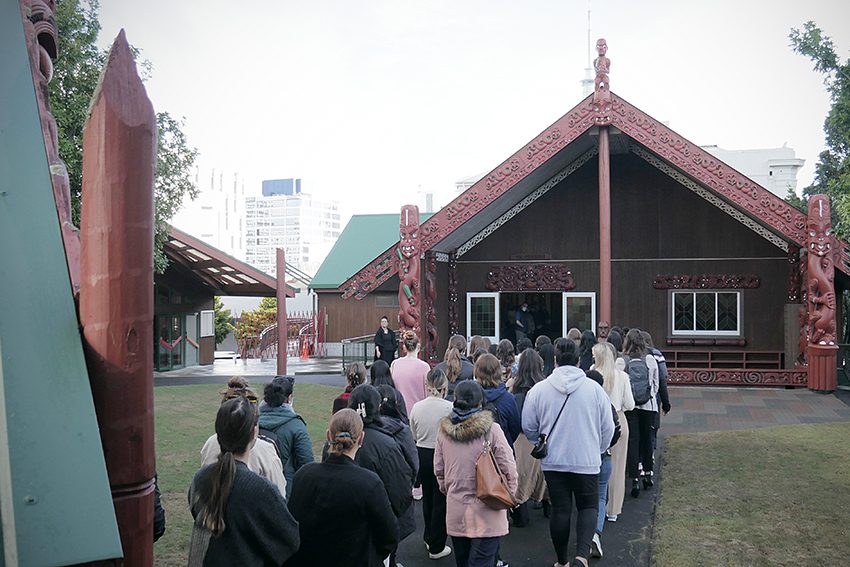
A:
x: 458, y: 447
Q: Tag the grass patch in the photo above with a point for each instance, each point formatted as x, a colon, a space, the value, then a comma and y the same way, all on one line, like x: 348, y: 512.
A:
x: 776, y: 496
x: 185, y: 418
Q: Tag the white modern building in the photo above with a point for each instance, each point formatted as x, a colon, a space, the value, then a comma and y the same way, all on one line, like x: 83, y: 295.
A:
x: 217, y: 215
x: 305, y: 226
x: 775, y: 169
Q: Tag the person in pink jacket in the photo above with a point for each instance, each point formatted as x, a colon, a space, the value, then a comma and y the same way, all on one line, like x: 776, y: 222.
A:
x: 475, y: 528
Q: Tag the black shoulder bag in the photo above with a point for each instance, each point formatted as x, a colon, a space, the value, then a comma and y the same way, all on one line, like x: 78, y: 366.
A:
x: 541, y: 448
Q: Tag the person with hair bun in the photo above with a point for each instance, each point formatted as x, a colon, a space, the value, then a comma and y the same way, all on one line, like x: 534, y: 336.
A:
x: 456, y: 365
x: 263, y: 458
x: 240, y: 517
x: 343, y: 510
x: 409, y: 373
x: 424, y: 423
x: 278, y: 416
x: 355, y: 375
x: 475, y: 527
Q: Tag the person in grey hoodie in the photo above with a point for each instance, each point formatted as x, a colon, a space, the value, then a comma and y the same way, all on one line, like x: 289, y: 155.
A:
x: 580, y: 435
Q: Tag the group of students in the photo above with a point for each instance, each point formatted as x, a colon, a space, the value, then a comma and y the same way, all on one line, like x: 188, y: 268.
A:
x: 413, y: 426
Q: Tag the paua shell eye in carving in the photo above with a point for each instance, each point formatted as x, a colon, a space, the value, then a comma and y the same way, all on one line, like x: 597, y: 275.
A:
x: 811, y: 233
x: 828, y: 232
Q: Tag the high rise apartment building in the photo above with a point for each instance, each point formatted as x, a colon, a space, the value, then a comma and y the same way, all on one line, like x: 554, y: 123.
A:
x: 217, y: 215
x: 305, y: 226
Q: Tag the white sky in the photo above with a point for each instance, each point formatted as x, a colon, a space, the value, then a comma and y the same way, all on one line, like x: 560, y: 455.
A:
x: 371, y: 101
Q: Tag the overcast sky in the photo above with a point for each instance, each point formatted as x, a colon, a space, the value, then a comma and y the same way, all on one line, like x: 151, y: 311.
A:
x: 371, y: 101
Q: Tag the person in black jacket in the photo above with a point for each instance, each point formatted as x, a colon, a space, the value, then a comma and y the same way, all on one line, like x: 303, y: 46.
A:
x: 382, y: 454
x: 344, y: 513
x: 385, y: 342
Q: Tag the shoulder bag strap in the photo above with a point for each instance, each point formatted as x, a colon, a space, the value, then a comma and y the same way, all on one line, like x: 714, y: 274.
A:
x: 551, y: 429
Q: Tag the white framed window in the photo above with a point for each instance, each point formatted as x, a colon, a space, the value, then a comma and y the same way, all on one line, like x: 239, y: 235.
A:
x: 207, y: 323
x: 482, y: 315
x: 579, y: 311
x: 706, y: 313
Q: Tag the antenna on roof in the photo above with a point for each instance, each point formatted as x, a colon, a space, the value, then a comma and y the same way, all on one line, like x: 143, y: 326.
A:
x: 587, y: 82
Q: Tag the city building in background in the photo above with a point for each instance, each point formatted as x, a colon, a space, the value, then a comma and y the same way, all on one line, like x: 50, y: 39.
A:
x: 775, y: 169
x: 305, y: 226
x: 217, y: 215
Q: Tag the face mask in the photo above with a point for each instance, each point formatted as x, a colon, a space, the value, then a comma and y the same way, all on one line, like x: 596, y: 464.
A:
x: 525, y: 308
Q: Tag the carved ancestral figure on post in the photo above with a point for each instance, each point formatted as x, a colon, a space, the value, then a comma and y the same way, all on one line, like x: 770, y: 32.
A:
x: 821, y: 291
x: 408, y: 270
x: 601, y: 103
x: 43, y: 46
x: 431, y: 312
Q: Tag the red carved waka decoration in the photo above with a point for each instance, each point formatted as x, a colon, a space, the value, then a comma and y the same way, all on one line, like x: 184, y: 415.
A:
x: 793, y: 273
x: 431, y: 336
x: 530, y: 277
x: 706, y: 282
x: 701, y: 377
x: 43, y: 47
x: 409, y: 292
x: 377, y: 272
x: 454, y: 326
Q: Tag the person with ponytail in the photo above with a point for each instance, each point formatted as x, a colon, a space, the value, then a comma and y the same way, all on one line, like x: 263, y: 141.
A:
x: 409, y: 373
x: 263, y: 459
x: 240, y: 517
x: 424, y: 423
x: 456, y: 366
x: 355, y: 374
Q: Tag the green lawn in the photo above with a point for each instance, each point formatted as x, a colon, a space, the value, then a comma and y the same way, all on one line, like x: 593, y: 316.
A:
x: 777, y: 496
x: 185, y: 417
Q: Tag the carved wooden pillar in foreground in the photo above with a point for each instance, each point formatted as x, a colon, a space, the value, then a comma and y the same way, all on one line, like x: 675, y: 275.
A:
x: 282, y: 323
x: 454, y: 326
x: 430, y: 336
x: 116, y: 297
x: 602, y: 117
x: 43, y: 47
x: 823, y: 350
x: 409, y: 293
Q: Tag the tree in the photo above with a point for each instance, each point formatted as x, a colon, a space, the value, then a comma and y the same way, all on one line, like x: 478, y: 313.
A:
x: 222, y: 321
x: 268, y: 304
x: 75, y: 77
x: 832, y: 172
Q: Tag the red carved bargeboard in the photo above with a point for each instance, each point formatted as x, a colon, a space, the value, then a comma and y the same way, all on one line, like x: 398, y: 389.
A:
x: 530, y: 277
x: 734, y: 377
x: 380, y: 270
x: 706, y: 282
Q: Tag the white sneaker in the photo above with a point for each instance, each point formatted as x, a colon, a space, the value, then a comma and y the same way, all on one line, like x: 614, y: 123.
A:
x: 595, y: 546
x: 446, y: 551
x: 612, y: 518
x: 417, y: 493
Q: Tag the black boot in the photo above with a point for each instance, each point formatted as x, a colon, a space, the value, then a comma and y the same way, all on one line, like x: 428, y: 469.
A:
x: 647, y: 481
x: 635, y: 488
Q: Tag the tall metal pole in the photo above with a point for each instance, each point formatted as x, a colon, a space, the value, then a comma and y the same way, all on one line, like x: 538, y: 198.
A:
x: 604, y: 225
x: 282, y: 325
x: 116, y: 295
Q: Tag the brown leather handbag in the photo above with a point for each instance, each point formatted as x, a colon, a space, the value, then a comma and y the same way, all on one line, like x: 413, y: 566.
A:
x: 492, y: 486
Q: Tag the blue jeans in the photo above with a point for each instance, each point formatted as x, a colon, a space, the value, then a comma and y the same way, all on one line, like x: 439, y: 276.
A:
x: 604, y: 476
x: 475, y: 552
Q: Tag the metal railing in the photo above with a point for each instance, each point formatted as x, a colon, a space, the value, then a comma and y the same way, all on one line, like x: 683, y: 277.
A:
x: 362, y: 346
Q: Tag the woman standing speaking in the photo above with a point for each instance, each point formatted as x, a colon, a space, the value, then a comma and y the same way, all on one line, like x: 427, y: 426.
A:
x: 385, y: 342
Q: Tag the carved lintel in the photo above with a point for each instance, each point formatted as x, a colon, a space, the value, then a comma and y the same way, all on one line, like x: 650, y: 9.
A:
x: 715, y: 281
x: 530, y: 277
x: 454, y: 326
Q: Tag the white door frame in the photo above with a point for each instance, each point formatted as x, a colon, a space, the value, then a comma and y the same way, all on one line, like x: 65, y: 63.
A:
x: 564, y: 323
x: 493, y: 338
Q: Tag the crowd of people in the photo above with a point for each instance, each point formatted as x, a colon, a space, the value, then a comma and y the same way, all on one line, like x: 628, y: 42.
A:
x: 568, y: 424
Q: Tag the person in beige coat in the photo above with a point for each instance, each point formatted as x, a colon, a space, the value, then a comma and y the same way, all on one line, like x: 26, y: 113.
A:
x: 475, y: 528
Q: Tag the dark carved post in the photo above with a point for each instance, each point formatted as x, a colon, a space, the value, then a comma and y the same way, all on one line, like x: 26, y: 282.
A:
x: 431, y: 336
x: 409, y: 248
x: 453, y: 299
x: 793, y: 273
x: 116, y: 297
x: 43, y: 47
x: 823, y: 350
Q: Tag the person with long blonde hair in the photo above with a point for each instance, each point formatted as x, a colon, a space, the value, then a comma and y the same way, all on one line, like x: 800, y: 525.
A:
x: 456, y: 366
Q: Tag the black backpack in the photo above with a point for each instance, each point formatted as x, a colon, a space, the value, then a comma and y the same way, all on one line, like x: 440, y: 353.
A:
x: 269, y: 435
x: 639, y: 377
x: 492, y: 408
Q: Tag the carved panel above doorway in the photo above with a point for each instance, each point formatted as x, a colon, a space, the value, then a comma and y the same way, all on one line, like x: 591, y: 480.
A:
x: 530, y: 277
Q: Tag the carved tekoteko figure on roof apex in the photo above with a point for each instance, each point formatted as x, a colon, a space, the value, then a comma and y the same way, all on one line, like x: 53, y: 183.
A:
x: 409, y: 249
x: 602, y: 94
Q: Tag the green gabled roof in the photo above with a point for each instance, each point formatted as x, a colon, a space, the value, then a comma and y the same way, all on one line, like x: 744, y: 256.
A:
x: 362, y: 239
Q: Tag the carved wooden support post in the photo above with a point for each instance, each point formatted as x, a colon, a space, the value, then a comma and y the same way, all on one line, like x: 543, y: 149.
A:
x: 823, y: 350
x: 454, y: 325
x: 43, y: 47
x: 793, y: 273
x: 803, y: 311
x: 409, y: 292
x: 282, y: 323
x: 601, y: 104
x: 116, y: 297
x: 431, y: 335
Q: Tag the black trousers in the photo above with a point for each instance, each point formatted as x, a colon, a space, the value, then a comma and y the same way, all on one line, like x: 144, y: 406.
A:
x: 640, y: 441
x: 433, y: 503
x: 563, y: 487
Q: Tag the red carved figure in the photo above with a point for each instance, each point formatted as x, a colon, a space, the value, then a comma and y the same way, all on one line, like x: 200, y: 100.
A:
x: 408, y: 270
x: 42, y: 45
x: 821, y: 296
x: 431, y: 312
x: 602, y: 65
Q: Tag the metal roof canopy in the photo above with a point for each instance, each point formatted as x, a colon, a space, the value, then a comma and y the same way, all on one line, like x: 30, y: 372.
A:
x: 222, y: 272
